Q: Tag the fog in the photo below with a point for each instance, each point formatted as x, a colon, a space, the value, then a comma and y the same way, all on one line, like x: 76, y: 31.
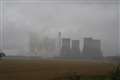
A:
x: 74, y: 19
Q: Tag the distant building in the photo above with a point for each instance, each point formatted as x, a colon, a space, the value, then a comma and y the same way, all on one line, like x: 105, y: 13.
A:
x: 59, y: 40
x: 40, y: 46
x: 65, y: 47
x: 75, y: 44
x: 75, y: 49
x: 92, y: 48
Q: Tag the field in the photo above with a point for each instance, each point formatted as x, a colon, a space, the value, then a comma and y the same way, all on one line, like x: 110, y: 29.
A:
x: 51, y: 69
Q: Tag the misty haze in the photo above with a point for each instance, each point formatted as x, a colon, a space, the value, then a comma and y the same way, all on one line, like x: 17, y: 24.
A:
x: 59, y: 40
x: 45, y: 19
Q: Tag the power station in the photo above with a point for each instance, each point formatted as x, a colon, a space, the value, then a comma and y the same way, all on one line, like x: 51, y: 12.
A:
x: 71, y: 48
x: 67, y: 47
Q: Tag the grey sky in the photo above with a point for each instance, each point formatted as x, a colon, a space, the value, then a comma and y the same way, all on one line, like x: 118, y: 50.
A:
x: 75, y: 19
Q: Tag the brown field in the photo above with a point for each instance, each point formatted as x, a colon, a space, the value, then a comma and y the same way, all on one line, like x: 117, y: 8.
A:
x: 50, y: 69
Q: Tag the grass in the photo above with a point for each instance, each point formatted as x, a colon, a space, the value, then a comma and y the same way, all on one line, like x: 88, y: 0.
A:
x: 96, y: 78
x: 53, y: 69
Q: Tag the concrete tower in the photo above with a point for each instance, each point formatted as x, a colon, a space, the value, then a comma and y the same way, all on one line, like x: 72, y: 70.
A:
x: 92, y: 48
x: 75, y: 48
x: 65, y: 49
x: 59, y: 40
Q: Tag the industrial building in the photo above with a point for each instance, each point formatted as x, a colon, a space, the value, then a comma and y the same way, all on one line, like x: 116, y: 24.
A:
x: 65, y: 49
x: 92, y: 48
x: 75, y: 49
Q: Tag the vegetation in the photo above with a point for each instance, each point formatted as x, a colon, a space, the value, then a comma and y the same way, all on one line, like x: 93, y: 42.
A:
x: 54, y: 70
x: 2, y: 54
x: 76, y: 76
x: 116, y: 73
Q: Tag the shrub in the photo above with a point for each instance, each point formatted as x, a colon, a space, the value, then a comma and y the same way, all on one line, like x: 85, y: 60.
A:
x: 116, y: 73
